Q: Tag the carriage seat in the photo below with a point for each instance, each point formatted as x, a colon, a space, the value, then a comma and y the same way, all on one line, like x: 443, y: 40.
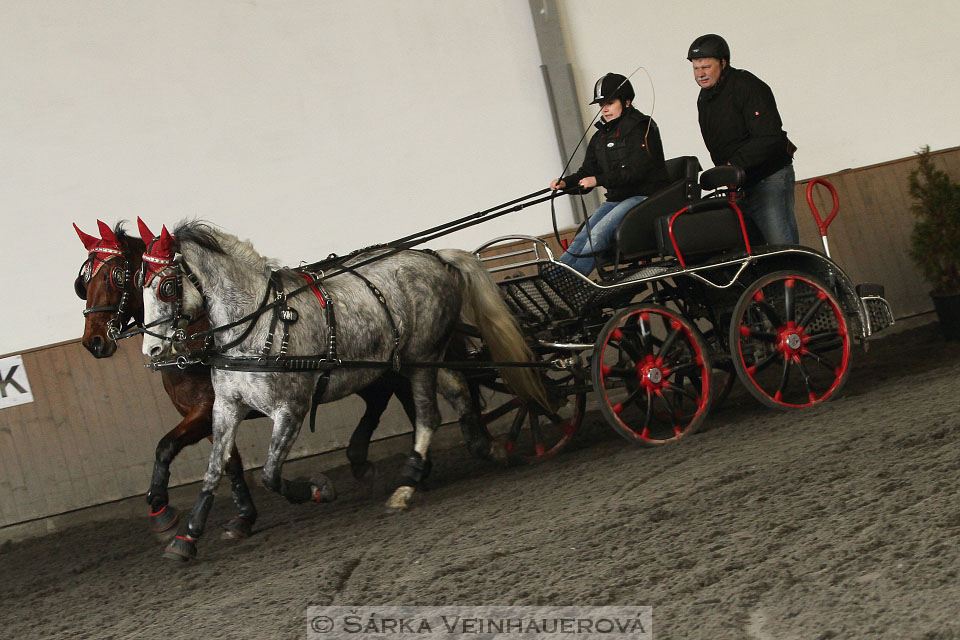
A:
x: 635, y: 239
x: 709, y: 226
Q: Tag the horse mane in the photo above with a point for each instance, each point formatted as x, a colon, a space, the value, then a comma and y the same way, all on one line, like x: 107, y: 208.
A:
x: 131, y: 243
x: 209, y: 237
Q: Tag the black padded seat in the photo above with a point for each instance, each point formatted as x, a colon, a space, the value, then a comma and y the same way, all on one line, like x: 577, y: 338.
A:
x: 635, y: 239
x: 635, y: 236
x: 709, y: 226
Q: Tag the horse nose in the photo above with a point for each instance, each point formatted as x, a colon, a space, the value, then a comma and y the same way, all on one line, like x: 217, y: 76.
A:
x: 155, y: 351
x: 95, y: 346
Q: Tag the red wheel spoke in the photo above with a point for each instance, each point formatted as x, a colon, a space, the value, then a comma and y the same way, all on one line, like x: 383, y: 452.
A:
x: 518, y: 419
x: 824, y: 341
x: 789, y: 286
x: 668, y: 343
x: 632, y: 344
x: 807, y: 380
x: 811, y: 313
x: 769, y: 359
x: 535, y: 433
x: 823, y: 362
x: 784, y: 377
x: 632, y: 397
x: 685, y: 367
x: 771, y: 313
x: 684, y: 391
x: 622, y: 372
x: 763, y: 336
x: 671, y: 409
x: 501, y: 411
x: 648, y: 414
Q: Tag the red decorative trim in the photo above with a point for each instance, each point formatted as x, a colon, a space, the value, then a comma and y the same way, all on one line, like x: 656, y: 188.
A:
x: 316, y: 291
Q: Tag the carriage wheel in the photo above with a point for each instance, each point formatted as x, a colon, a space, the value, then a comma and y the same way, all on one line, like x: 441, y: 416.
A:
x: 652, y: 372
x: 722, y: 383
x: 530, y: 431
x: 790, y: 340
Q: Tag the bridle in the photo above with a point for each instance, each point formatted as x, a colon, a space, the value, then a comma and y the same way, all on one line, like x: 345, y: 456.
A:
x: 119, y: 278
x: 169, y: 289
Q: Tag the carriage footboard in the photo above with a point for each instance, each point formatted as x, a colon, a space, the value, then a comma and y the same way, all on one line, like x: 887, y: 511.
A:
x: 538, y: 290
x: 553, y: 293
x: 876, y: 310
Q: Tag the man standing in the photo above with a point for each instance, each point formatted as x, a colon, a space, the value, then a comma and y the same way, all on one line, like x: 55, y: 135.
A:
x: 741, y: 126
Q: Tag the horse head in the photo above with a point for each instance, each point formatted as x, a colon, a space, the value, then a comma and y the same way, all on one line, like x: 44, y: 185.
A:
x: 105, y: 281
x: 170, y: 301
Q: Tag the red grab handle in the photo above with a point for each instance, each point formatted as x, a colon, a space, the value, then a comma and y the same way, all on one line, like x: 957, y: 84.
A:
x: 822, y: 224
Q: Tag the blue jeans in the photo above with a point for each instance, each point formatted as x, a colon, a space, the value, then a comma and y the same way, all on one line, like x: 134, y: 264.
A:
x: 769, y: 203
x: 602, y: 233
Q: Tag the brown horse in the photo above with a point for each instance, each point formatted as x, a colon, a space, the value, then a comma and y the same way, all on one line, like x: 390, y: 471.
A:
x: 106, y: 282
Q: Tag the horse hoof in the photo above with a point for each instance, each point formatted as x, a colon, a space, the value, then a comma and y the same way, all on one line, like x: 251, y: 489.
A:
x: 322, y: 490
x: 399, y: 500
x: 164, y: 519
x: 181, y: 548
x: 236, y: 528
x: 364, y: 472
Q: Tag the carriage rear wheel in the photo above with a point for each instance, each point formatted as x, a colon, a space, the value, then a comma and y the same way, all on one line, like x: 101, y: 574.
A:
x: 651, y: 370
x: 790, y: 340
x: 530, y: 431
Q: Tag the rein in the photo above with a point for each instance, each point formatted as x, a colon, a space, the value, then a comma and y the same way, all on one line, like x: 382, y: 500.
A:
x: 313, y: 274
x: 316, y: 272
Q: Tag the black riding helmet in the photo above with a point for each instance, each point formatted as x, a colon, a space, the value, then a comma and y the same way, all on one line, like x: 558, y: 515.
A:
x: 709, y: 46
x: 610, y: 86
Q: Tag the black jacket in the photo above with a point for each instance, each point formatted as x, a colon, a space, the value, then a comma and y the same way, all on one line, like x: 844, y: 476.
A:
x: 741, y: 125
x: 625, y: 157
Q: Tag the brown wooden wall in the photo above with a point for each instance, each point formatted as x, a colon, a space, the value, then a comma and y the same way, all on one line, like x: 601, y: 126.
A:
x: 90, y: 434
x: 870, y: 236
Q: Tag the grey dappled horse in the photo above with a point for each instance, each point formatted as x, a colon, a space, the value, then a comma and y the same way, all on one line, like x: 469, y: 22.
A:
x: 424, y: 293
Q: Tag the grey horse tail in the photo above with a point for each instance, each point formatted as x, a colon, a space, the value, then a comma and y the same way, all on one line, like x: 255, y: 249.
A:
x: 485, y: 309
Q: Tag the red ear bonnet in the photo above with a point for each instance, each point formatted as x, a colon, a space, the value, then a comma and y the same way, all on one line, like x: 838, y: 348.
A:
x: 145, y: 234
x: 100, y: 250
x: 164, y: 245
x: 109, y: 238
x: 159, y: 253
x: 89, y: 241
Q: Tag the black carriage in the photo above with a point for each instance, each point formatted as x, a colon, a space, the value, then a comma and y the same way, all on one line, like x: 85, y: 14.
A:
x: 686, y: 303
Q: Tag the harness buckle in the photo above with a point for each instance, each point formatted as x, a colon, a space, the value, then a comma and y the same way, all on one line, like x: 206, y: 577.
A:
x: 113, y: 331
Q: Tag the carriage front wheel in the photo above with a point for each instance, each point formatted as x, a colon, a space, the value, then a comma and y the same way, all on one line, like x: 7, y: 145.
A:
x: 790, y: 340
x: 532, y: 432
x: 651, y: 371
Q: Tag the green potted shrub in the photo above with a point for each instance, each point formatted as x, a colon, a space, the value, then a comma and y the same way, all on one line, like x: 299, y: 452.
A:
x: 935, y: 241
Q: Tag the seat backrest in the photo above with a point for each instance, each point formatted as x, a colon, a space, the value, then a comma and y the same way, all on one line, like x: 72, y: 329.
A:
x: 682, y: 167
x: 711, y: 226
x: 635, y: 233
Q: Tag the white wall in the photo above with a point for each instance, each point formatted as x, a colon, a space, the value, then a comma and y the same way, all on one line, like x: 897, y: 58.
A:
x: 309, y: 127
x: 856, y: 82
x: 314, y: 126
